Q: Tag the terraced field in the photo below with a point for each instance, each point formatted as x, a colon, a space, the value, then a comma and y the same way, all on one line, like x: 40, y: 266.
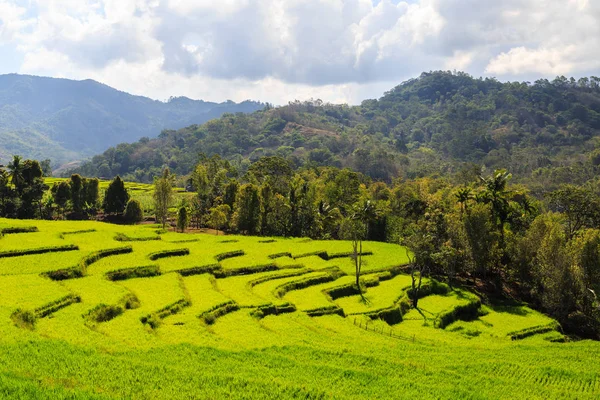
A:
x: 92, y: 310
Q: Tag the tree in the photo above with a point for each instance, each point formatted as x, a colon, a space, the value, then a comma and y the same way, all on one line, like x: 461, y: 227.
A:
x: 218, y: 217
x: 77, y: 193
x: 90, y: 193
x: 15, y: 171
x: 134, y: 212
x: 163, y: 196
x: 579, y: 205
x: 61, y: 193
x: 355, y: 230
x: 31, y: 189
x: 182, y: 219
x: 247, y: 209
x: 496, y: 195
x: 115, y: 197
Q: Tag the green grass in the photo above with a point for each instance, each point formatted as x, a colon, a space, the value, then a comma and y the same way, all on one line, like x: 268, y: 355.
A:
x: 239, y: 355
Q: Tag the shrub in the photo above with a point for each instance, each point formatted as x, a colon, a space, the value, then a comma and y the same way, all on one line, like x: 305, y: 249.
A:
x: 168, y: 253
x: 329, y: 310
x: 121, y: 237
x: 229, y: 254
x: 135, y: 272
x: 209, y: 317
x: 130, y: 301
x: 103, y: 313
x: 206, y: 269
x: 54, y: 306
x: 25, y: 319
x: 245, y: 270
x: 133, y: 211
x: 182, y: 219
x: 39, y: 250
x: 64, y: 274
x: 271, y: 309
x: 19, y: 229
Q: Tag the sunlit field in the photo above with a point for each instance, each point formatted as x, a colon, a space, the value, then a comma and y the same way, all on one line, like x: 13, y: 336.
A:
x: 93, y: 310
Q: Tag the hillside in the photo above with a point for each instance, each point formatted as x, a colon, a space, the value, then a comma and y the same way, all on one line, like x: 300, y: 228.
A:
x: 67, y: 120
x: 93, y: 310
x: 440, y: 124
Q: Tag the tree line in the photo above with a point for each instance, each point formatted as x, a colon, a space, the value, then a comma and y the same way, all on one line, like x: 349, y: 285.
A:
x: 481, y: 231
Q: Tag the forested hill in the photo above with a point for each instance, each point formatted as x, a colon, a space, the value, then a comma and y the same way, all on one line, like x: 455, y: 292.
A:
x: 439, y: 124
x: 66, y: 120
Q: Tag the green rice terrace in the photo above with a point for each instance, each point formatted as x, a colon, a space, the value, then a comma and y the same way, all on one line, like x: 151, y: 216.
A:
x: 93, y: 310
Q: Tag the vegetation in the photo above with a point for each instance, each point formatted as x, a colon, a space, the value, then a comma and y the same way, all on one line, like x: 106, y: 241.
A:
x: 233, y: 330
x: 67, y: 120
x: 440, y: 124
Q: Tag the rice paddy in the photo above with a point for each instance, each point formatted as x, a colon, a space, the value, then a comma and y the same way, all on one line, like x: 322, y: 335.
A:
x: 112, y: 311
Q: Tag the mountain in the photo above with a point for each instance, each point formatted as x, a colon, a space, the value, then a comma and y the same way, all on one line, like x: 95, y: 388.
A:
x: 67, y: 120
x: 440, y: 124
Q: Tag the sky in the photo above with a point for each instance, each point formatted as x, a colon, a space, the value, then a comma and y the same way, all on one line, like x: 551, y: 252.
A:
x: 341, y: 51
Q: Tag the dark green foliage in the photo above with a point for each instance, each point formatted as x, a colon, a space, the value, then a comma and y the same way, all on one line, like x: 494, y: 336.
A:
x: 24, y: 319
x: 210, y: 316
x: 153, y: 320
x: 41, y: 250
x: 183, y: 219
x: 392, y: 315
x: 272, y: 309
x: 465, y: 312
x: 254, y: 269
x: 50, y: 308
x: 64, y: 274
x: 277, y: 255
x: 247, y: 209
x: 433, y: 287
x: 280, y: 291
x: 134, y: 212
x: 19, y: 229
x: 116, y: 197
x: 168, y: 253
x: 207, y: 269
x: 522, y: 334
x: 121, y: 237
x: 135, y: 272
x: 63, y: 234
x: 103, y: 313
x: 329, y: 310
x: 229, y: 254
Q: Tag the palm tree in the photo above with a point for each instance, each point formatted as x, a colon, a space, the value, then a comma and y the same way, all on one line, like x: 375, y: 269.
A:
x: 15, y: 170
x: 496, y: 195
x: 463, y: 195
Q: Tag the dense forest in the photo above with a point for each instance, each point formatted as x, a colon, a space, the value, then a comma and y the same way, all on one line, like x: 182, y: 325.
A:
x: 441, y: 124
x: 67, y: 120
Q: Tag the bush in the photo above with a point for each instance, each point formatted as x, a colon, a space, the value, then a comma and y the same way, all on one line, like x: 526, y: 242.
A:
x: 209, y: 317
x: 54, y: 306
x: 206, y: 269
x: 25, y: 319
x: 103, y: 313
x: 272, y: 309
x: 229, y: 254
x: 19, y: 229
x: 64, y: 274
x: 40, y: 250
x: 168, y: 253
x: 329, y: 310
x: 134, y: 212
x: 135, y: 272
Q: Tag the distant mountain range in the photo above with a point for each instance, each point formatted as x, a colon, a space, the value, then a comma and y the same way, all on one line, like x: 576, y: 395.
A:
x: 66, y: 120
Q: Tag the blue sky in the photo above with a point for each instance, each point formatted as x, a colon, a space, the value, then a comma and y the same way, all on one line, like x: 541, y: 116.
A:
x: 282, y: 50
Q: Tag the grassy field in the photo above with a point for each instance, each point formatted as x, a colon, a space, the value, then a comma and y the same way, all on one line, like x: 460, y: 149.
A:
x: 176, y: 316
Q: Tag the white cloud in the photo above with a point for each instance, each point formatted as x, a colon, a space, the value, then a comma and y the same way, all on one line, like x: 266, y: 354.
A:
x: 280, y: 50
